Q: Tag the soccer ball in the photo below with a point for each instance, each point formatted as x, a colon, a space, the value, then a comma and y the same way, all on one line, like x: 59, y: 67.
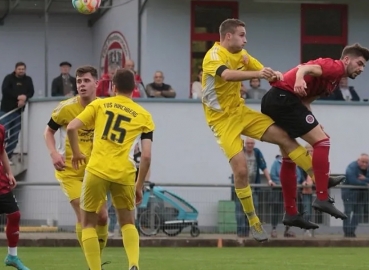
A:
x: 86, y: 6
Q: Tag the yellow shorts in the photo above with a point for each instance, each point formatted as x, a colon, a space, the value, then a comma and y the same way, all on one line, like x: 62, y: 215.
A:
x: 243, y: 121
x: 94, y: 190
x: 71, y: 187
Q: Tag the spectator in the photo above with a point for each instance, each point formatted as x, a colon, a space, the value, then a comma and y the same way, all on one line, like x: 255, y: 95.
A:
x: 307, y: 192
x: 255, y: 164
x: 139, y: 91
x: 196, y: 88
x: 17, y: 89
x: 158, y: 89
x: 343, y: 92
x: 255, y: 92
x: 64, y: 84
x: 357, y: 174
x: 276, y: 198
x: 104, y: 87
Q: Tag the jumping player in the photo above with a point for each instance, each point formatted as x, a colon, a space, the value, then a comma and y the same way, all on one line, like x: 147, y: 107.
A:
x: 119, y: 124
x: 225, y: 66
x: 9, y: 206
x: 288, y: 104
x: 70, y: 179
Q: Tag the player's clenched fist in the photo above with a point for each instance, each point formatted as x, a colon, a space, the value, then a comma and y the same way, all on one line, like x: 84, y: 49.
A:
x: 300, y: 87
x: 58, y: 161
x: 266, y: 73
x: 138, y: 195
x: 77, y: 160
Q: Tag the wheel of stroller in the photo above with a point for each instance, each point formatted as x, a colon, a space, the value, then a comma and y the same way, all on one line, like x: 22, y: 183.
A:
x: 172, y: 231
x: 195, y: 231
x: 149, y: 223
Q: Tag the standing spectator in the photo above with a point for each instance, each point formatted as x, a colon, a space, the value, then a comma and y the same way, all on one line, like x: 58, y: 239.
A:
x: 159, y: 89
x: 255, y: 164
x: 196, y: 89
x: 17, y: 89
x: 276, y: 198
x: 307, y: 192
x: 357, y: 174
x: 64, y: 84
x: 104, y: 87
x: 139, y: 91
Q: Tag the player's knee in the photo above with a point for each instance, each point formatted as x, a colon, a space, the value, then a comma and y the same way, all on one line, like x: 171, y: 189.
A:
x: 14, y: 218
x: 102, y: 217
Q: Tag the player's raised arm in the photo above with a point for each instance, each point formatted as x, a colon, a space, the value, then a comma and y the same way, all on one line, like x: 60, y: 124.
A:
x: 312, y: 70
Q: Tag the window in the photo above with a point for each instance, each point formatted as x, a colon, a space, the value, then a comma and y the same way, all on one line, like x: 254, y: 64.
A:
x: 323, y: 31
x: 206, y: 16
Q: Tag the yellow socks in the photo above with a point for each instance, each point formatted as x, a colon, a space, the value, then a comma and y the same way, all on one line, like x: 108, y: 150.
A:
x: 131, y: 243
x: 79, y: 234
x: 245, y: 197
x: 302, y: 159
x: 91, y: 248
x: 102, y: 234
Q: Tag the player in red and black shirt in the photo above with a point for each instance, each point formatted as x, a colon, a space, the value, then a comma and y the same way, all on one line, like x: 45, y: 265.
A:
x: 9, y: 206
x: 288, y: 104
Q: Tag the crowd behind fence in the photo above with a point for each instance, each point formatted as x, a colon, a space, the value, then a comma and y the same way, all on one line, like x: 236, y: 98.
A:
x: 214, y: 204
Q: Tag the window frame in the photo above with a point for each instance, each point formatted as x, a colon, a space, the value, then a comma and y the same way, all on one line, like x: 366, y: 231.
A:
x: 340, y: 40
x: 234, y: 5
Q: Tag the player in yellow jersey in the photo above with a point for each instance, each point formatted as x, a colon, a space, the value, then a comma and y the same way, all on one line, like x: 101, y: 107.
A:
x: 70, y: 179
x: 119, y: 124
x: 225, y: 66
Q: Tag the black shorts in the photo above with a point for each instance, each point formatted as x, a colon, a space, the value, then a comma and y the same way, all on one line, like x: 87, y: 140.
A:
x: 8, y: 203
x: 288, y: 112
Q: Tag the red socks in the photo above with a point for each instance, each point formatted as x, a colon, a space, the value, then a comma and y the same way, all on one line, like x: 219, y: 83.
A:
x: 321, y: 168
x: 289, y: 185
x: 12, y: 228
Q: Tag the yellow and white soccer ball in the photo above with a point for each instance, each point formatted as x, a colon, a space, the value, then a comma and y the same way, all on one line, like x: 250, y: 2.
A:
x: 86, y: 6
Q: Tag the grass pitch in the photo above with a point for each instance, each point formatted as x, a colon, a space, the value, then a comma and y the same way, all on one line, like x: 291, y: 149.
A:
x: 55, y: 258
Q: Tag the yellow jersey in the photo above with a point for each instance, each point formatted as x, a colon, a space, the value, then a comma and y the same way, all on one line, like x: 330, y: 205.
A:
x: 119, y: 123
x: 64, y: 113
x: 219, y: 95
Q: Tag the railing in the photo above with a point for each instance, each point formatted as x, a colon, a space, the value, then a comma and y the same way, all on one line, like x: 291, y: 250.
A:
x: 14, y: 128
x: 44, y: 204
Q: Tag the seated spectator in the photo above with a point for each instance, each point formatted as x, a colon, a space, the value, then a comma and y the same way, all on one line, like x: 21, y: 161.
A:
x: 196, y: 89
x: 343, y: 92
x: 357, y: 174
x: 139, y: 91
x: 104, y: 87
x: 158, y: 89
x: 306, y: 192
x: 276, y: 199
x: 255, y: 92
x: 64, y: 84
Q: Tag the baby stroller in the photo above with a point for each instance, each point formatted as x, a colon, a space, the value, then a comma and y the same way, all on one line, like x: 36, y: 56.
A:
x: 163, y: 210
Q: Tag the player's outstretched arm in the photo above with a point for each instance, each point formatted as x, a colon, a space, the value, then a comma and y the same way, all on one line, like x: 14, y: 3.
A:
x: 238, y: 75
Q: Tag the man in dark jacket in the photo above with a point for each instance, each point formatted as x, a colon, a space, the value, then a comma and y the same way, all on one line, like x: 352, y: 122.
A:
x: 17, y: 88
x: 64, y: 84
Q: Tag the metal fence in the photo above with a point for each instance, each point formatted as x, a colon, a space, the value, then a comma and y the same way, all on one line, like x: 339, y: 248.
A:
x: 168, y: 207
